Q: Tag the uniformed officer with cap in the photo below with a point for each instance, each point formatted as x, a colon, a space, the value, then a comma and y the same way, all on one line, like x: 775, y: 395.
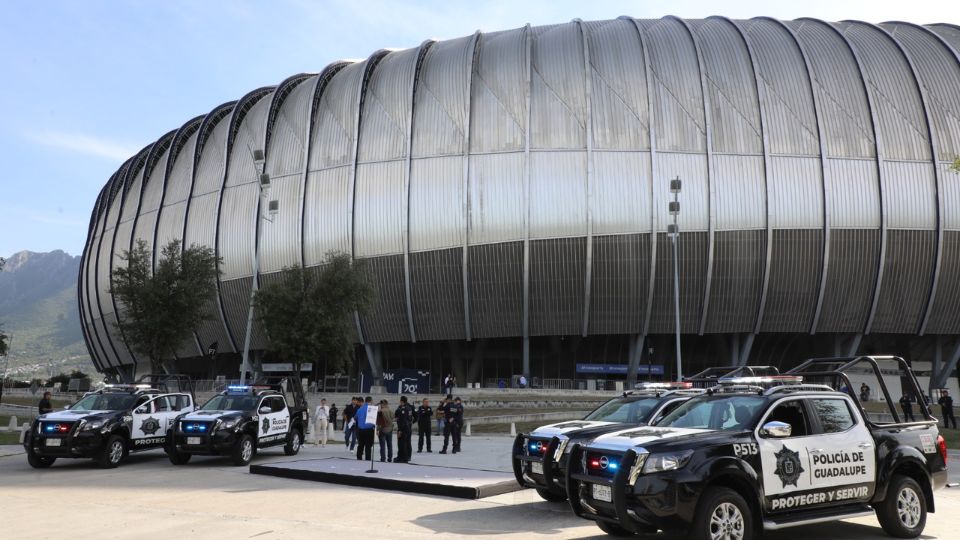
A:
x: 424, y: 424
x: 404, y: 416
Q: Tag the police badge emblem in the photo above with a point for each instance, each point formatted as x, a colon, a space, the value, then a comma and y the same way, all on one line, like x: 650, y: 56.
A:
x: 266, y: 425
x: 150, y: 425
x: 788, y: 466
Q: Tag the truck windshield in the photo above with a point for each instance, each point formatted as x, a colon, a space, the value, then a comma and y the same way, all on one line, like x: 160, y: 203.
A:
x: 104, y: 402
x: 725, y: 413
x: 230, y: 403
x: 625, y: 409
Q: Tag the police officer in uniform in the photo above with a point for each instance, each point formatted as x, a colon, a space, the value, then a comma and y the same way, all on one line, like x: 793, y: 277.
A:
x: 404, y: 416
x: 424, y: 425
x: 453, y: 421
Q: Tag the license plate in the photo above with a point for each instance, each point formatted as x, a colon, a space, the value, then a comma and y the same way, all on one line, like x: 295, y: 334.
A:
x: 602, y: 493
x: 54, y: 442
x: 193, y: 440
x: 536, y: 468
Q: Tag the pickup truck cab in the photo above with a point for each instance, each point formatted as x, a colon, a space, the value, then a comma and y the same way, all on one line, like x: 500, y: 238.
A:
x: 239, y: 422
x: 540, y: 458
x: 107, y: 425
x: 757, y: 454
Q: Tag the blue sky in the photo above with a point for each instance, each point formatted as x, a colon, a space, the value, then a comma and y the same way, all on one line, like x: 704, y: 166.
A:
x: 87, y: 84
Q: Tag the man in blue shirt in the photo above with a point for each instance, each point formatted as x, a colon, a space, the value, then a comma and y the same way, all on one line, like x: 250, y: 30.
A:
x: 365, y: 431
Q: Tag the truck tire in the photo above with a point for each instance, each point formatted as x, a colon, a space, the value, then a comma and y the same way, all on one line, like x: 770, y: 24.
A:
x: 178, y: 458
x: 550, y: 496
x: 243, y: 451
x: 39, y: 462
x: 722, y: 509
x: 294, y: 442
x: 112, y: 453
x: 903, y: 513
x: 612, y: 529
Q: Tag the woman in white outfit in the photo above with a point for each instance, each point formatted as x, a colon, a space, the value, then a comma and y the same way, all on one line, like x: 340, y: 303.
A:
x: 322, y: 420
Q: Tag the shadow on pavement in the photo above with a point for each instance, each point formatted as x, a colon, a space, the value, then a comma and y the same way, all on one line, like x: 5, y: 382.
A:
x: 504, y: 520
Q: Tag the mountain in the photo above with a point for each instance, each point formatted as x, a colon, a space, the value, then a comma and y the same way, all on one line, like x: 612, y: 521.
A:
x: 38, y: 310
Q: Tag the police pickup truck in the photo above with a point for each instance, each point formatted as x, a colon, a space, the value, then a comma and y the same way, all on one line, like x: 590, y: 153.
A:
x: 239, y: 422
x: 540, y: 458
x: 107, y: 424
x: 759, y: 454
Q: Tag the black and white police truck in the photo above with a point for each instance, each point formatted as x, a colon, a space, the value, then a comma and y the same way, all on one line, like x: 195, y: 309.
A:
x: 110, y: 423
x: 240, y: 421
x: 540, y: 457
x: 759, y: 454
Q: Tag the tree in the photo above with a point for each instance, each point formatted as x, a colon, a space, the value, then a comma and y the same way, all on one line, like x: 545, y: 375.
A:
x: 162, y: 308
x: 955, y: 166
x: 308, y: 313
x: 3, y: 336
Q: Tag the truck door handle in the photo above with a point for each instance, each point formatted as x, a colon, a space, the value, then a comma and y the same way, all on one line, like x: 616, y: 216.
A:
x: 816, y: 451
x: 865, y: 445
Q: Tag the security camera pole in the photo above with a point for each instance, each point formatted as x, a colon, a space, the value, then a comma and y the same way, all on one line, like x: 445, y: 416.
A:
x: 263, y: 180
x: 674, y: 232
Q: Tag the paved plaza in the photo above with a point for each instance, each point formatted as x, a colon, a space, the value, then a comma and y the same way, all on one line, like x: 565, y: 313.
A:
x: 147, y: 497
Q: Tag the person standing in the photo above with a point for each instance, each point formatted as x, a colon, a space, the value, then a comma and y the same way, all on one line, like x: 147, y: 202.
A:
x: 446, y: 383
x: 864, y: 392
x: 364, y: 431
x: 349, y: 432
x: 441, y: 415
x: 46, y: 405
x: 321, y: 423
x: 404, y: 415
x: 946, y: 405
x: 457, y: 425
x: 907, y: 405
x: 385, y: 433
x: 333, y: 415
x: 424, y: 425
x: 452, y: 411
x: 523, y: 381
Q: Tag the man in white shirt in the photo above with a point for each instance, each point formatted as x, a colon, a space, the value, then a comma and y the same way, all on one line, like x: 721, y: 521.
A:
x: 321, y: 422
x: 523, y: 381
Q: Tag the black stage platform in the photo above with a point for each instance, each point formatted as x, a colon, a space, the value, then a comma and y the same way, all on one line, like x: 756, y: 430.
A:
x: 427, y: 479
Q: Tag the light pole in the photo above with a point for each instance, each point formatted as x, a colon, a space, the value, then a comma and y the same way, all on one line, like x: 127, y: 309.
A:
x: 674, y: 231
x: 263, y: 181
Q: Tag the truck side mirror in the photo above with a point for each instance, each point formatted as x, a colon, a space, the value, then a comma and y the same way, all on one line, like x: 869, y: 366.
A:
x: 777, y: 430
x: 141, y: 410
x: 266, y: 409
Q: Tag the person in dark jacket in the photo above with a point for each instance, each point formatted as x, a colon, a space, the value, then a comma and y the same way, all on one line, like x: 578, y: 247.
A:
x: 404, y: 417
x: 906, y: 404
x: 349, y: 427
x: 453, y: 421
x: 45, y: 406
x: 333, y: 415
x: 946, y: 405
x: 424, y: 425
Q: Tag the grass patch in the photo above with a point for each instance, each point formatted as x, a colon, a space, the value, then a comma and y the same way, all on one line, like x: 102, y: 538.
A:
x: 7, y: 437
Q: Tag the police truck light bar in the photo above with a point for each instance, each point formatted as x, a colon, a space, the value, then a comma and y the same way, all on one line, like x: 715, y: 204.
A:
x: 664, y: 385
x: 771, y: 379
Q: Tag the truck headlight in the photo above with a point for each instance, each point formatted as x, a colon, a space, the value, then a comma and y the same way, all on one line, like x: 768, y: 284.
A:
x: 637, y: 467
x: 666, y: 462
x: 93, y: 424
x: 229, y: 423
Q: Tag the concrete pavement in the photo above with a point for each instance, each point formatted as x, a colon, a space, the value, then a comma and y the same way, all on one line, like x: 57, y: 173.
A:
x: 146, y: 497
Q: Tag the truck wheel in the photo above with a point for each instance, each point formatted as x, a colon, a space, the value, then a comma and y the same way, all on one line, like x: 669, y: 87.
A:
x: 904, y: 512
x: 722, y: 513
x: 178, y: 458
x: 243, y: 451
x: 294, y: 442
x: 112, y: 452
x: 39, y: 462
x: 613, y: 530
x: 550, y: 496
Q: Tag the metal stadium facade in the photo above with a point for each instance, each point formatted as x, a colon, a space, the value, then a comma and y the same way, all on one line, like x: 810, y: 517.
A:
x: 510, y: 192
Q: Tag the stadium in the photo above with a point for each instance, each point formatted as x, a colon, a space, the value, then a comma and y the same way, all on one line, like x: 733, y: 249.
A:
x: 509, y: 191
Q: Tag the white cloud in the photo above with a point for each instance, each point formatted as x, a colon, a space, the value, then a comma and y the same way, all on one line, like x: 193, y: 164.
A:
x: 83, y: 143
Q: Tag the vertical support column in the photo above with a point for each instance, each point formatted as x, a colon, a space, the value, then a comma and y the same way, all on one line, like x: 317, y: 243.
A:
x: 528, y: 79
x: 636, y: 354
x: 821, y: 138
x: 588, y: 88
x: 654, y: 207
x: 375, y: 361
x: 466, y: 186
x: 711, y: 199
